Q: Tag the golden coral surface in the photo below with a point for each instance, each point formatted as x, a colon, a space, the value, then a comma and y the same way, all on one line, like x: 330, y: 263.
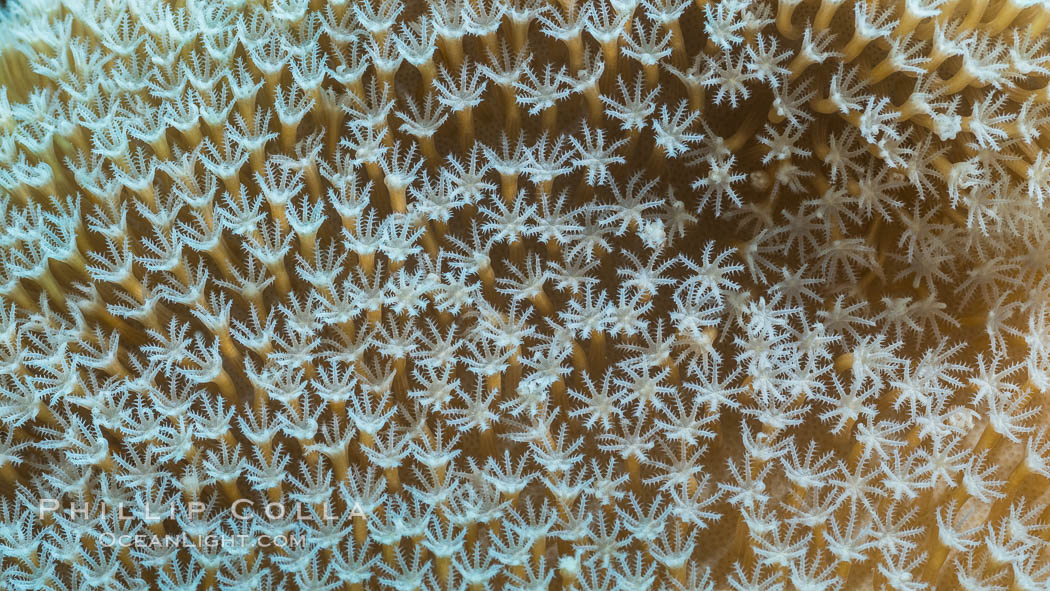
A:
x: 509, y: 294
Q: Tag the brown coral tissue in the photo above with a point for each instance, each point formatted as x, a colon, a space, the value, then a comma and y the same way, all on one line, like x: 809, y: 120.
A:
x: 579, y: 295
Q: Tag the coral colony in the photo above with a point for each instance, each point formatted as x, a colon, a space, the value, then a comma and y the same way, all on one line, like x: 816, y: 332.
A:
x: 467, y: 295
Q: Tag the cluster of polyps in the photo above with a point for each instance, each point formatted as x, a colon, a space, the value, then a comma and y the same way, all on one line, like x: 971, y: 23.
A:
x: 522, y: 295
